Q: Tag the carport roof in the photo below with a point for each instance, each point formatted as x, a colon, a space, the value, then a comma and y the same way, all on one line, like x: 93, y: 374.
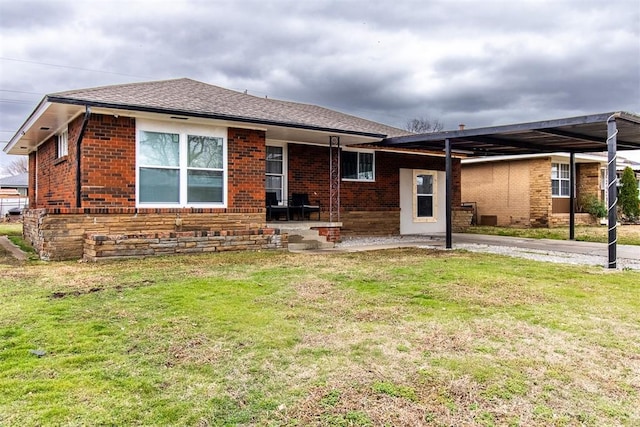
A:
x: 576, y: 134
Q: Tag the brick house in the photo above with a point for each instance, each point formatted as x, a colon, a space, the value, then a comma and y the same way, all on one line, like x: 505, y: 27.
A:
x: 183, y: 166
x: 531, y: 190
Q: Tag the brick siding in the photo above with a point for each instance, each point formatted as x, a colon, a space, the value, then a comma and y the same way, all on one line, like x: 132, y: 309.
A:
x: 499, y: 189
x: 246, y: 168
x: 366, y: 207
x: 518, y: 193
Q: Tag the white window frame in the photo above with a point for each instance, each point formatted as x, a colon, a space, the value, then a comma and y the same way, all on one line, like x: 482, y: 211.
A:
x: 434, y: 195
x: 373, y: 165
x: 183, y: 130
x: 285, y: 172
x: 62, y: 143
x: 560, y: 179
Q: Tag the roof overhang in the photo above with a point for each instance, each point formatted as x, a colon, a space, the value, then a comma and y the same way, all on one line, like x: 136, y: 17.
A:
x: 556, y: 157
x: 576, y: 134
x: 53, y: 114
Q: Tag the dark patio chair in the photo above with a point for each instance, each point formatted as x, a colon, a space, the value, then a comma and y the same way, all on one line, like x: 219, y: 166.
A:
x: 274, y: 210
x: 302, y: 207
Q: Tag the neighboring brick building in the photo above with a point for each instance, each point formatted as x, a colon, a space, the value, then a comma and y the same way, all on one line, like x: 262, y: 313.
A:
x: 183, y: 166
x: 530, y: 190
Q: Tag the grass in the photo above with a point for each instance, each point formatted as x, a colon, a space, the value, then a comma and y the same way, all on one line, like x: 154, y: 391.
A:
x: 397, y: 337
x: 627, y: 234
x: 13, y: 231
x: 10, y: 229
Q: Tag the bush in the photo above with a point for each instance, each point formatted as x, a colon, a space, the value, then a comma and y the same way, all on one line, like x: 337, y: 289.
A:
x: 592, y: 205
x: 628, y: 197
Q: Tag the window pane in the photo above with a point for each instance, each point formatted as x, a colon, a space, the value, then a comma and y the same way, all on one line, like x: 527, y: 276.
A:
x: 274, y: 153
x: 554, y: 171
x: 564, y: 188
x: 564, y: 171
x: 274, y: 184
x: 205, y: 152
x: 555, y: 187
x: 159, y: 149
x: 425, y: 206
x: 366, y: 166
x: 159, y: 185
x: 424, y: 184
x: 349, y: 165
x: 274, y: 160
x: 204, y: 186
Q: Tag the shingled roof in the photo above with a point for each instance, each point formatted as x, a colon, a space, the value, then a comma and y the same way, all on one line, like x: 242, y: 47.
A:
x: 193, y: 98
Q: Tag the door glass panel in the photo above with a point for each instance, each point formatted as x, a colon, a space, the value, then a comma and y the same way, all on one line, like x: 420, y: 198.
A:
x: 424, y: 195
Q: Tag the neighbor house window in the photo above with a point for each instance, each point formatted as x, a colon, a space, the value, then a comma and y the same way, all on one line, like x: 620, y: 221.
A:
x: 560, y: 180
x: 62, y: 148
x: 424, y: 196
x: 357, y: 165
x: 180, y: 168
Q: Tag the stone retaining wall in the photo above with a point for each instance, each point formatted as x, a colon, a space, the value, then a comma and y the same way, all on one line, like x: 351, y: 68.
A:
x: 59, y: 234
x: 98, y: 247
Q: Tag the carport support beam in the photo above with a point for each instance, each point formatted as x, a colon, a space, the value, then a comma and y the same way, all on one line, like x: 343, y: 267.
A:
x: 449, y: 189
x: 612, y: 191
x: 572, y: 196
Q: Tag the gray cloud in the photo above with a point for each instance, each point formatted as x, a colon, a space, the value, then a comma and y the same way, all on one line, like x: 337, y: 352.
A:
x: 481, y: 63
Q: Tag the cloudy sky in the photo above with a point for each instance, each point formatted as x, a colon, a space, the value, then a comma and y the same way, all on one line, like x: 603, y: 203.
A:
x: 478, y: 62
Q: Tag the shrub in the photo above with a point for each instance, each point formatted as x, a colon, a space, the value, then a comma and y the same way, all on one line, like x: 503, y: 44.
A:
x: 628, y: 197
x: 592, y: 205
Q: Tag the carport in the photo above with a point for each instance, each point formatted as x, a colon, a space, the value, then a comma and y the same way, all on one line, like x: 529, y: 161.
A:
x: 584, y: 134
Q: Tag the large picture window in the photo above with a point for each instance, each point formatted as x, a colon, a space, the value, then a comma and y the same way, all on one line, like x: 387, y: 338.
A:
x: 560, y: 180
x: 357, y: 165
x: 184, y: 167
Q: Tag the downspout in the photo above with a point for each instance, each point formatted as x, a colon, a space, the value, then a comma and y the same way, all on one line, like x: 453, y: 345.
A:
x: 87, y: 114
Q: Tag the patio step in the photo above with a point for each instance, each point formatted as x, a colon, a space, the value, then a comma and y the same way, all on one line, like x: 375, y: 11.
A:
x: 302, y: 239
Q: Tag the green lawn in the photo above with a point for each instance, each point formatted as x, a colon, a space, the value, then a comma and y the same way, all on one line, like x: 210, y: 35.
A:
x: 626, y: 234
x: 398, y: 337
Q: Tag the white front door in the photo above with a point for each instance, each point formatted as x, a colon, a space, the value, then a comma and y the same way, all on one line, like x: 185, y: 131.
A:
x: 422, y: 201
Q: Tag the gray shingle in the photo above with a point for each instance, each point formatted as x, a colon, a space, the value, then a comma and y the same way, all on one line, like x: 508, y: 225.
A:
x: 191, y: 97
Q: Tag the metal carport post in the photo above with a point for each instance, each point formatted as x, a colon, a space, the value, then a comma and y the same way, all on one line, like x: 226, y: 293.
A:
x: 612, y: 191
x: 449, y: 189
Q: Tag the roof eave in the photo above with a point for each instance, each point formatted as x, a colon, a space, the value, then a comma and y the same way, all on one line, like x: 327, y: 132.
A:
x: 31, y: 120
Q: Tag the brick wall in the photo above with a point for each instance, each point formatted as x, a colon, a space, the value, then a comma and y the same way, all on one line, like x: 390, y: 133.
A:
x: 562, y: 219
x: 588, y: 180
x: 246, y: 173
x: 366, y: 207
x: 108, y: 166
x: 32, y: 179
x: 540, y: 192
x: 108, y: 162
x: 500, y: 189
x: 56, y: 177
